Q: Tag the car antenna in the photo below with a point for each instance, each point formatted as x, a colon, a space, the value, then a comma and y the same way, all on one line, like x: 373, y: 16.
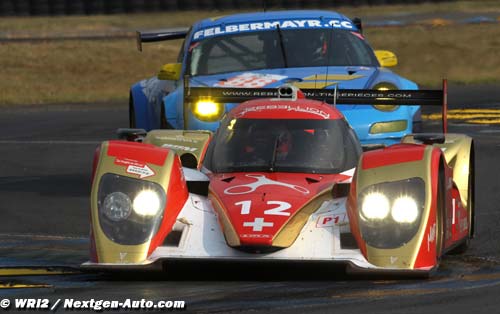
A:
x: 264, y: 2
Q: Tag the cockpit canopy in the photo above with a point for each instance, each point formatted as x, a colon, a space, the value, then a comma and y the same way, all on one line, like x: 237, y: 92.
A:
x: 283, y: 145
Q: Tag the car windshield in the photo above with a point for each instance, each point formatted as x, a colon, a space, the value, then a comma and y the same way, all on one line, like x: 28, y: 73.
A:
x: 295, y: 145
x: 279, y: 49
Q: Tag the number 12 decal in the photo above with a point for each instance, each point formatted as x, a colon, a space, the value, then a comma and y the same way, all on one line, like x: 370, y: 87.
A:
x: 280, y: 210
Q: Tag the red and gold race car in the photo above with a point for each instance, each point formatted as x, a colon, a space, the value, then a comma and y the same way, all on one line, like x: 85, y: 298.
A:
x: 284, y: 178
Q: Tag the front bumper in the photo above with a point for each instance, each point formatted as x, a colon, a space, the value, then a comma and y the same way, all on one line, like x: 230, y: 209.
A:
x: 203, y: 242
x: 350, y: 267
x: 375, y: 127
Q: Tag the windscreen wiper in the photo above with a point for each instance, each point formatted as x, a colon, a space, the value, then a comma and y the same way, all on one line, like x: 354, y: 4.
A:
x: 282, y: 45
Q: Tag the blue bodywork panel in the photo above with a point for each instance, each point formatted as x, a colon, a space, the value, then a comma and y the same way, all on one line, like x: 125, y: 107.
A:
x: 152, y: 97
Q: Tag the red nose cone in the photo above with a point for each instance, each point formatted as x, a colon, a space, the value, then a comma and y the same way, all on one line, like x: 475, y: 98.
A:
x: 259, y: 205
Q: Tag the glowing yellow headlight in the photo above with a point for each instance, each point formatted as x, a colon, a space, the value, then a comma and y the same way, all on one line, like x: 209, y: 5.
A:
x: 384, y: 87
x: 147, y: 203
x: 404, y: 210
x: 207, y: 110
x: 375, y: 206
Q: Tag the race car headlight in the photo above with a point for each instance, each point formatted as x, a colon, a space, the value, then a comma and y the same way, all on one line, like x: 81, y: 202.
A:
x: 117, y: 206
x: 207, y: 110
x: 375, y: 206
x: 386, y: 108
x: 130, y: 210
x: 146, y: 203
x: 390, y: 212
x: 385, y: 86
x: 405, y: 210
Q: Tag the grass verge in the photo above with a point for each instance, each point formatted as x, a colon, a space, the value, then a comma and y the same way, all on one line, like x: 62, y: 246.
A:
x: 43, y: 25
x: 96, y: 71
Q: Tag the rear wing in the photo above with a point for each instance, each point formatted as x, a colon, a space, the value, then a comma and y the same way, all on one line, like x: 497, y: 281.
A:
x: 150, y: 36
x: 332, y: 96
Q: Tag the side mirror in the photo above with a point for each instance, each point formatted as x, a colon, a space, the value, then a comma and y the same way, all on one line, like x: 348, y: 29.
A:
x: 386, y: 58
x: 170, y: 72
x: 359, y: 25
x: 131, y: 135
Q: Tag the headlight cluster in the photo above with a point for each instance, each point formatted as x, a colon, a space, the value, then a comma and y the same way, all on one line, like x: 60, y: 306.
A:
x: 207, y: 110
x: 130, y: 210
x: 376, y: 206
x: 390, y: 212
x: 385, y: 86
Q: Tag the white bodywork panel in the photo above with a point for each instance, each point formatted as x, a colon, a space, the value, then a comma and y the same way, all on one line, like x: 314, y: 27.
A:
x: 319, y: 240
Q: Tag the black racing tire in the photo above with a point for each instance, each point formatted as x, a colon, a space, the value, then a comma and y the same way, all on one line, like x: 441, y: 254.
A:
x: 440, y: 215
x: 471, y: 193
x: 164, y: 125
x: 417, y: 124
x: 131, y: 112
x: 462, y: 247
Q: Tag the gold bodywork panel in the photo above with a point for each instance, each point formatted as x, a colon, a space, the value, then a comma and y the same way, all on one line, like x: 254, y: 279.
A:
x: 181, y: 141
x: 229, y: 231
x: 107, y: 250
x: 405, y: 256
x: 291, y: 230
x: 456, y: 149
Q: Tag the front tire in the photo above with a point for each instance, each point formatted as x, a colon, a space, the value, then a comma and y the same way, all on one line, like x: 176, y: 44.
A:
x: 440, y: 215
x: 163, y: 120
x: 131, y: 112
x: 462, y: 247
x: 471, y: 193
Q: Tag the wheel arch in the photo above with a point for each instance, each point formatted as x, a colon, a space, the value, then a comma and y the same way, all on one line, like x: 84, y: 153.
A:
x: 138, y: 106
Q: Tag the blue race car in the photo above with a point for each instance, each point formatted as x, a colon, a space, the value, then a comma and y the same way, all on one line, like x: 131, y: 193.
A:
x: 309, y: 49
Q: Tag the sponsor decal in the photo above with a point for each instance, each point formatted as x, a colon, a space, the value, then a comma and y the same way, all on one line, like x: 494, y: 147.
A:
x: 251, y: 80
x: 261, y: 180
x: 256, y: 236
x: 330, y: 219
x: 310, y: 110
x: 127, y: 162
x: 178, y: 138
x: 270, y: 25
x: 431, y: 237
x: 142, y: 172
x: 180, y: 147
x: 399, y: 95
x: 135, y: 167
x: 454, y: 207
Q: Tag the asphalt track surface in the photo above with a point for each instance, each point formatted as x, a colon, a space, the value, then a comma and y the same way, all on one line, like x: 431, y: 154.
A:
x: 46, y: 154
